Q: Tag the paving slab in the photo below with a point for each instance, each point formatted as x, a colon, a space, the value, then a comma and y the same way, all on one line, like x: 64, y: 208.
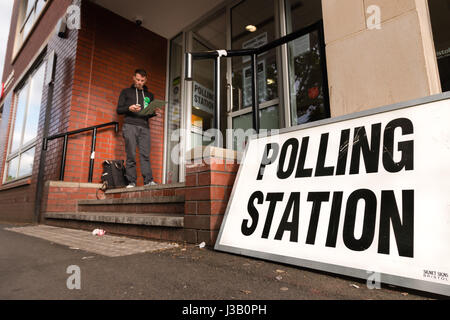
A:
x: 106, y: 245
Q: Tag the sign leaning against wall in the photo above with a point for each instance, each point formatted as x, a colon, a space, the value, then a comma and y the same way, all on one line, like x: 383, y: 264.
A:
x: 360, y: 194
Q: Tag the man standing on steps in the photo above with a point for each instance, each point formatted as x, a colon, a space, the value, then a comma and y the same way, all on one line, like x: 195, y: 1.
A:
x: 136, y: 131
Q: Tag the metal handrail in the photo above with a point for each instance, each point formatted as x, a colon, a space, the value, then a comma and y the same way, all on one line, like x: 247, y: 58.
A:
x: 70, y: 133
x: 253, y: 53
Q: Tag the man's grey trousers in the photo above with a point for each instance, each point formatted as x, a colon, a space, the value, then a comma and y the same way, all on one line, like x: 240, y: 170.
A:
x: 140, y: 137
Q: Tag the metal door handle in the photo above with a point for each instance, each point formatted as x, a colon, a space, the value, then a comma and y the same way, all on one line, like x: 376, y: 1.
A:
x: 230, y: 97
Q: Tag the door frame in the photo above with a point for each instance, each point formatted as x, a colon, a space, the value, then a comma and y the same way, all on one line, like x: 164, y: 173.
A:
x: 283, y: 100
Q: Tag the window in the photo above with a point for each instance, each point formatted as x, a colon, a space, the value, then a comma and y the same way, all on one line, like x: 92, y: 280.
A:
x: 305, y: 59
x: 29, y: 13
x: 19, y: 163
x: 440, y: 23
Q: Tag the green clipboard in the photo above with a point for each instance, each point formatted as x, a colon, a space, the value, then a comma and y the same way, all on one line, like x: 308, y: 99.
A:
x: 152, y: 106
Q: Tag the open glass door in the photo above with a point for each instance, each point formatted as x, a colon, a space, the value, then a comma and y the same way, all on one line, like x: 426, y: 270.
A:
x: 207, y: 36
x: 174, y: 114
x: 253, y: 24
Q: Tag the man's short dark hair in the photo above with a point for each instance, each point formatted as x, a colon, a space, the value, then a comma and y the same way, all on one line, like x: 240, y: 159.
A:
x: 142, y: 72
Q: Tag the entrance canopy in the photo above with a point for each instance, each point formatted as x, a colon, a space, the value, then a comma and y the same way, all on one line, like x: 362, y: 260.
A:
x: 166, y: 18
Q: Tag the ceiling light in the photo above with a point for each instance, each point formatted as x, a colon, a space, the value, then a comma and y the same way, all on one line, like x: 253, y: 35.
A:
x: 250, y: 28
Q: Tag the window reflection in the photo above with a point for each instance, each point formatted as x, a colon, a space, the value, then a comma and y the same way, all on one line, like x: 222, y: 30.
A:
x: 26, y: 163
x: 306, y: 76
x: 306, y: 79
x: 30, y: 14
x: 12, y: 169
x: 25, y: 127
x: 34, y: 105
x: 22, y: 100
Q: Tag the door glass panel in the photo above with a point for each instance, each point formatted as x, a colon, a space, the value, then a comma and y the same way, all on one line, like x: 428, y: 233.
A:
x: 269, y: 119
x: 174, y: 109
x: 252, y: 26
x: 202, y: 96
x: 208, y: 35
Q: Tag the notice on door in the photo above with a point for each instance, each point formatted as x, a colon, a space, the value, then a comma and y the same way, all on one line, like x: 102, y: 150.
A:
x: 355, y: 195
x: 202, y: 98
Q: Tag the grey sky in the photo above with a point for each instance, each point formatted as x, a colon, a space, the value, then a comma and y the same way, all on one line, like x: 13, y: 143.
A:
x: 5, y: 19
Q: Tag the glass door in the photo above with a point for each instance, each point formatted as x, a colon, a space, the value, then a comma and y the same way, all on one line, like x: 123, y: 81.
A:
x: 207, y: 36
x: 174, y: 114
x: 253, y: 24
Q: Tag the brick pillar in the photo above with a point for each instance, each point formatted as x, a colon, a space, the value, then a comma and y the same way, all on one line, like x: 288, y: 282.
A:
x: 210, y: 175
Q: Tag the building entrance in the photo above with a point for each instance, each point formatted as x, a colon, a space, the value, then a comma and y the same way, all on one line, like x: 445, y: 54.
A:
x: 290, y: 77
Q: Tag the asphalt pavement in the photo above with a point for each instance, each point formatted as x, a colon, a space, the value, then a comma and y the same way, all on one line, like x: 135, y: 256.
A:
x: 34, y: 268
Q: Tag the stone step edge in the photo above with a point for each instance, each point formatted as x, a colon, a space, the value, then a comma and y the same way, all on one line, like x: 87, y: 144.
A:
x: 149, y: 219
x: 143, y: 188
x: 141, y: 200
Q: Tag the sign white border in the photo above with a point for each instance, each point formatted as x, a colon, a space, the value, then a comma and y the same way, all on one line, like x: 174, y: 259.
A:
x: 423, y: 285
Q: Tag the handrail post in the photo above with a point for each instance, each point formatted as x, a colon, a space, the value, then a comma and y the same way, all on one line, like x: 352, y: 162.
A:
x: 255, y: 96
x: 217, y: 103
x: 63, y: 159
x: 67, y: 134
x: 92, y: 157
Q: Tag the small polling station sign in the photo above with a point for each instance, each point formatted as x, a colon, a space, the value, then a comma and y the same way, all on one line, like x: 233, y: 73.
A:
x: 355, y: 195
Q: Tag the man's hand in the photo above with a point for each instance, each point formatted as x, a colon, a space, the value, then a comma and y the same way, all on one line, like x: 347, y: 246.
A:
x: 134, y: 108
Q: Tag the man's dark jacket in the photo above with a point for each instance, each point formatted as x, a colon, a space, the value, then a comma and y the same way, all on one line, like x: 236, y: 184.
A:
x: 128, y: 98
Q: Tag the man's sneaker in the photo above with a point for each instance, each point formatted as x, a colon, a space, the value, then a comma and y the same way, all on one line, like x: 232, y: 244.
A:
x: 131, y: 185
x: 151, y: 183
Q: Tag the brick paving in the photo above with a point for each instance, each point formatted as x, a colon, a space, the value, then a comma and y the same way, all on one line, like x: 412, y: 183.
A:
x: 106, y: 245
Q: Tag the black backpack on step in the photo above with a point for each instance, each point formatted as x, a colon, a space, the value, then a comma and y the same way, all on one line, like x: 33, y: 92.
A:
x: 113, y: 175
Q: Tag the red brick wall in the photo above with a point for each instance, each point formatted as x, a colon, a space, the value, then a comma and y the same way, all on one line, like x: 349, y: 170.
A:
x: 208, y: 189
x: 93, y: 65
x: 17, y: 204
x: 109, y: 49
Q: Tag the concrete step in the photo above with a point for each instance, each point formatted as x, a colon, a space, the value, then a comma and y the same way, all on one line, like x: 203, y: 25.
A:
x: 148, y: 189
x: 142, y: 200
x: 149, y: 219
x: 142, y: 205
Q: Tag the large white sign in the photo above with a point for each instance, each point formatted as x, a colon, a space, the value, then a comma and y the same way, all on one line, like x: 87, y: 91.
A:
x: 361, y: 194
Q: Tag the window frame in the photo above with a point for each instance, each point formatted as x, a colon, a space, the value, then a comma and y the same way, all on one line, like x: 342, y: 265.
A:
x: 22, y: 148
x: 20, y: 38
x: 28, y: 17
